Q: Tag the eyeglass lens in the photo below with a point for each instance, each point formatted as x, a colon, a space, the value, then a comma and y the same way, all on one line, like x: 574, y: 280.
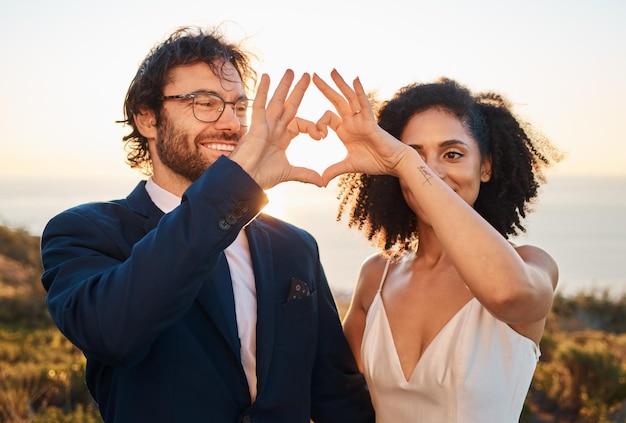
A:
x: 209, y: 108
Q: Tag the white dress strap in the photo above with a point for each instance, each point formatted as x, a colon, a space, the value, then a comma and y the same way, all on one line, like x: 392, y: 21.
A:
x: 382, y: 280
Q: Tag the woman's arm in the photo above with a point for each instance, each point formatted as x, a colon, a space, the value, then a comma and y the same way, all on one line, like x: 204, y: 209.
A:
x: 517, y: 287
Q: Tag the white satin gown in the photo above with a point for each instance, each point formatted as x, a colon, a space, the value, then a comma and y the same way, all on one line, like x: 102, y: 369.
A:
x: 476, y: 370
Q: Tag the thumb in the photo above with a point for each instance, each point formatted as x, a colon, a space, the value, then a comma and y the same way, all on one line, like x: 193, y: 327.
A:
x: 306, y: 175
x: 335, y: 170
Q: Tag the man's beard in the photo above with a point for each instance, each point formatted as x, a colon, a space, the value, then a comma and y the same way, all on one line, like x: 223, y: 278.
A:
x: 177, y: 154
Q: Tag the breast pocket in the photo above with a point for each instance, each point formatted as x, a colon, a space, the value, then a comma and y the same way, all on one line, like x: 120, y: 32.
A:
x: 302, y: 309
x: 297, y: 332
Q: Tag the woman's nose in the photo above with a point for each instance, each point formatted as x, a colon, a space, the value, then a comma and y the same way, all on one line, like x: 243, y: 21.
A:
x: 436, y: 166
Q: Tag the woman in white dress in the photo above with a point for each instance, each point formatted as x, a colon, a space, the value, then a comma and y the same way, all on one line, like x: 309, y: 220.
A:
x: 446, y: 321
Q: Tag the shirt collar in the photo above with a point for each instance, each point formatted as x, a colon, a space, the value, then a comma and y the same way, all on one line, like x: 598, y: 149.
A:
x: 164, y: 200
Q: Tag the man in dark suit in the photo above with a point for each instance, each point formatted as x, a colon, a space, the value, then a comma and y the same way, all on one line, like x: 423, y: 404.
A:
x: 188, y: 303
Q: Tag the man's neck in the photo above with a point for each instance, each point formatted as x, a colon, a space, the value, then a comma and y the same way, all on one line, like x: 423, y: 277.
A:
x: 171, y: 182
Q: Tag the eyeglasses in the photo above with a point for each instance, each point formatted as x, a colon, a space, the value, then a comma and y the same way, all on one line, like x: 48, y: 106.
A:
x: 208, y: 107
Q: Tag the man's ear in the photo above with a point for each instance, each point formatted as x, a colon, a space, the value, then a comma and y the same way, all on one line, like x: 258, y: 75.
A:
x: 485, y: 169
x: 146, y: 123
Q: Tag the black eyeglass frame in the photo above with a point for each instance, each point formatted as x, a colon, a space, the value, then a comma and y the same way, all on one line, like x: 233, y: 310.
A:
x: 192, y: 97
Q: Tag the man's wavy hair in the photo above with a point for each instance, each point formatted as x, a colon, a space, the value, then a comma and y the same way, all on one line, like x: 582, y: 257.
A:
x: 185, y: 46
x: 375, y: 203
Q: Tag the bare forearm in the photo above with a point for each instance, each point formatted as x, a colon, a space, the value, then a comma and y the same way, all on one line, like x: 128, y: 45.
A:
x: 488, y: 264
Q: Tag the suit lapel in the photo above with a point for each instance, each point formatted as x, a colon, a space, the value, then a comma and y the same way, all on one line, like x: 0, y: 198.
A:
x: 216, y: 294
x: 261, y: 253
x: 139, y: 202
x: 217, y: 299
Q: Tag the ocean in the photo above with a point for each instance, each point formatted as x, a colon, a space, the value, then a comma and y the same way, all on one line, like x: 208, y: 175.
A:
x: 579, y: 220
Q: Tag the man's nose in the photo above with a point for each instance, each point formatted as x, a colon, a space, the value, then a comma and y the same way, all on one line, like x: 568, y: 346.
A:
x: 228, y: 119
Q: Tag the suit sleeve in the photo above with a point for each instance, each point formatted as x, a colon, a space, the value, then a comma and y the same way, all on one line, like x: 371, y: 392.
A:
x: 113, y: 289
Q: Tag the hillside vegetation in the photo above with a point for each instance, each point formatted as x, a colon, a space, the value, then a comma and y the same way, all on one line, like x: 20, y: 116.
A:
x: 581, y: 376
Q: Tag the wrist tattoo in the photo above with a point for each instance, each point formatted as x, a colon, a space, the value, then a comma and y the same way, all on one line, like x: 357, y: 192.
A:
x: 427, y: 175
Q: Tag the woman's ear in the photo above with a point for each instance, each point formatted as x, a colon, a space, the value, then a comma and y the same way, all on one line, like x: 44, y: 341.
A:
x: 485, y: 169
x: 146, y: 123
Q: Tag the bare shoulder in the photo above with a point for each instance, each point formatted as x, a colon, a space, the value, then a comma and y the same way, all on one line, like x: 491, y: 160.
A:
x: 540, y: 260
x: 369, y: 280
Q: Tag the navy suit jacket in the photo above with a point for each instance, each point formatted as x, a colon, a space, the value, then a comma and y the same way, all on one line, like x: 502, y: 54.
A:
x: 148, y: 298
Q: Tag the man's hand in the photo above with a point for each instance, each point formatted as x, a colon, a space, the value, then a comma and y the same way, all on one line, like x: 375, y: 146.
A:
x: 262, y: 151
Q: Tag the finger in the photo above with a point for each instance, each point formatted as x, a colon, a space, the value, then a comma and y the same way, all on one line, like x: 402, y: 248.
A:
x: 363, y: 99
x: 343, y: 86
x: 258, y: 105
x: 329, y: 120
x: 295, y: 98
x: 322, y: 127
x: 277, y: 103
x: 337, y: 100
x: 347, y: 91
x: 302, y: 126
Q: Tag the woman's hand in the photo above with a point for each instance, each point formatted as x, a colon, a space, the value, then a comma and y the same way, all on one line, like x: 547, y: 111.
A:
x: 370, y: 149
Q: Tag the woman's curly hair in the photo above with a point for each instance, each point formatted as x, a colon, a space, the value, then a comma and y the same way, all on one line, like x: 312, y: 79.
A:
x: 375, y: 202
x: 185, y: 46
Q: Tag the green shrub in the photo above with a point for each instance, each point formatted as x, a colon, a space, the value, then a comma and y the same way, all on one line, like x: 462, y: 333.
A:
x: 41, y: 370
x: 581, y: 376
x: 595, y: 311
x: 586, y: 376
x: 21, y: 246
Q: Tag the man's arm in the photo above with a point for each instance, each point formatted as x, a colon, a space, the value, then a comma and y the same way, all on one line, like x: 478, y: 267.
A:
x: 112, y: 291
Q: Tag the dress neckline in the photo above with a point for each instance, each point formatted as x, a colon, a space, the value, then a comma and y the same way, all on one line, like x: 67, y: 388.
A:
x: 435, y: 339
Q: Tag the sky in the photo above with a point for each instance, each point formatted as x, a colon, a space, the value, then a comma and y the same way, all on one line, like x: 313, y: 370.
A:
x: 66, y: 65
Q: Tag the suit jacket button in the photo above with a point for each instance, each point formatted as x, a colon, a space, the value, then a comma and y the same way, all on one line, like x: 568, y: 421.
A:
x: 223, y: 225
x: 243, y: 205
x: 238, y: 212
x: 231, y: 219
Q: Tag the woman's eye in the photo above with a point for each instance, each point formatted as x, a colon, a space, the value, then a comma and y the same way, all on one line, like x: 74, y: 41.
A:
x: 453, y: 155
